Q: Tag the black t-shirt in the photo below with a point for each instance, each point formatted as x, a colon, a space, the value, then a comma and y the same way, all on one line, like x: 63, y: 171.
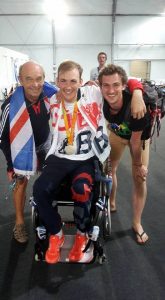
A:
x: 39, y: 117
x: 122, y: 123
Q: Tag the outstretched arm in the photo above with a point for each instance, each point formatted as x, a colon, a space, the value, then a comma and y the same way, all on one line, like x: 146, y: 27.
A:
x: 138, y: 107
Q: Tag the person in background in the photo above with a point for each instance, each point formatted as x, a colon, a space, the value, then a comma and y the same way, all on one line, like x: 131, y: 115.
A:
x: 25, y: 135
x: 102, y: 58
x: 126, y: 131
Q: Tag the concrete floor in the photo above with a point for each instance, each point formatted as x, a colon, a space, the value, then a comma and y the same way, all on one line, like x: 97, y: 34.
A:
x: 131, y: 272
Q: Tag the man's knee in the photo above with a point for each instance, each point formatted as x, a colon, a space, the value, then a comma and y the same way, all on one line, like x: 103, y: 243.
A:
x: 82, y: 187
x: 42, y: 189
x: 20, y: 184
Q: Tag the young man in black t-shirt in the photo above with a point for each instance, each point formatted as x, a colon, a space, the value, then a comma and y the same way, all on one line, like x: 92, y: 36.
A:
x: 126, y: 131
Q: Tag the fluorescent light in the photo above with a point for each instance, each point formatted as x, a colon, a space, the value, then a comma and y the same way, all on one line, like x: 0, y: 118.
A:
x: 56, y: 10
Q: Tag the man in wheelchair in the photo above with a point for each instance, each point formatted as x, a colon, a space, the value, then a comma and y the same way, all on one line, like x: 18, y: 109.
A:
x: 79, y: 136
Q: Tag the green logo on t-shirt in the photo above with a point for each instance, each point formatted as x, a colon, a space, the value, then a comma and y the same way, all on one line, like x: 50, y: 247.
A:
x: 121, y: 130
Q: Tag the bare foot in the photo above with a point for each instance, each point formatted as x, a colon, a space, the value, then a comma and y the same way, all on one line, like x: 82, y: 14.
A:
x: 113, y: 207
x: 141, y: 235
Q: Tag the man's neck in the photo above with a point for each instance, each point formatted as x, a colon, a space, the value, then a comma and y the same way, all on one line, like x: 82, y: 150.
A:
x: 70, y: 102
x: 101, y: 66
x: 32, y: 99
x: 116, y: 107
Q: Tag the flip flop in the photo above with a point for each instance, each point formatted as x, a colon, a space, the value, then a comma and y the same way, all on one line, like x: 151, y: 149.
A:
x: 141, y: 237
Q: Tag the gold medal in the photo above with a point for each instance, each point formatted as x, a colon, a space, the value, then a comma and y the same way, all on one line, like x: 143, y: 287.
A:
x: 70, y: 149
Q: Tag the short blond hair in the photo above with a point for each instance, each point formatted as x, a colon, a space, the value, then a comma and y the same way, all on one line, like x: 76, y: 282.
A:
x: 70, y: 65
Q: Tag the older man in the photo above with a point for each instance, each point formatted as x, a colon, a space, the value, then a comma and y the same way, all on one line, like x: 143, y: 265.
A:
x: 25, y: 135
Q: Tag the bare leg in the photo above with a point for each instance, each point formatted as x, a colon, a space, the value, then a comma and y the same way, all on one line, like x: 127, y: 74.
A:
x: 139, y: 198
x: 114, y: 185
x: 19, y: 196
x: 117, y: 148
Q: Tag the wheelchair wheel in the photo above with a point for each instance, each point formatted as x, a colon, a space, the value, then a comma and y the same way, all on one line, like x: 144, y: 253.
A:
x: 35, y: 218
x: 102, y: 259
x: 107, y: 221
x: 39, y: 253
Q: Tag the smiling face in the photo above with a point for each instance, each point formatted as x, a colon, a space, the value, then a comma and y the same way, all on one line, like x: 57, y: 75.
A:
x: 69, y: 82
x: 112, y: 88
x: 32, y: 79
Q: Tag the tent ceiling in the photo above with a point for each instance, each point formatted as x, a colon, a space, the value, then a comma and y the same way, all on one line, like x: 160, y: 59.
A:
x: 92, y: 7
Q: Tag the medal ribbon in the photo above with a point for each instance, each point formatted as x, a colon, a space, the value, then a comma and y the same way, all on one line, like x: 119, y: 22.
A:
x: 70, y: 131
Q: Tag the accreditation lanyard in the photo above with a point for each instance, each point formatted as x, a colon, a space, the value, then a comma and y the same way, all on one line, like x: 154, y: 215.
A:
x: 70, y: 131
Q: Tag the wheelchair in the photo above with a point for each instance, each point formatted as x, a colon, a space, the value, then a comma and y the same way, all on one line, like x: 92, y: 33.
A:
x: 100, y: 223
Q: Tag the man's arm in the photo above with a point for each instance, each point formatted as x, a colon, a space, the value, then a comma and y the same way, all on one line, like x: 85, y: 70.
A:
x: 138, y: 107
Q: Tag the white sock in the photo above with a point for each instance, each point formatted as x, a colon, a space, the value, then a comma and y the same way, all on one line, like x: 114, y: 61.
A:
x: 80, y: 232
x: 59, y: 233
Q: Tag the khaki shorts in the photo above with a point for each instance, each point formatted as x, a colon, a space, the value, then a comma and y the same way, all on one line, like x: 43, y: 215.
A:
x: 118, y: 145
